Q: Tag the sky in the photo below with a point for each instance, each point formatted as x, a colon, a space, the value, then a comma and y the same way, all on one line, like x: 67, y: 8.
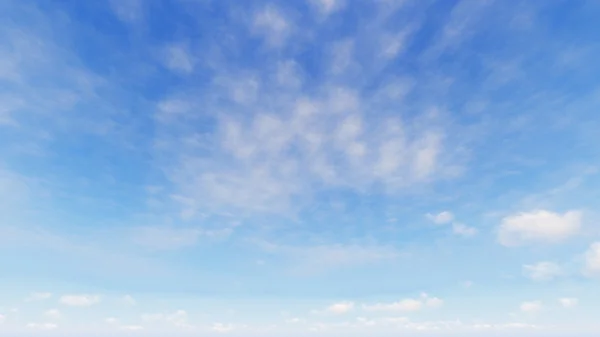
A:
x: 299, y: 168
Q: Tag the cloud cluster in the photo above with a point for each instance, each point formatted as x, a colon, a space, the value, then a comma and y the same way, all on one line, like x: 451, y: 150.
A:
x: 447, y: 217
x: 538, y: 226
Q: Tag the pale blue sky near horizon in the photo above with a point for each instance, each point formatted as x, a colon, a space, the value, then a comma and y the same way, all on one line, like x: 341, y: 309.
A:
x: 302, y: 168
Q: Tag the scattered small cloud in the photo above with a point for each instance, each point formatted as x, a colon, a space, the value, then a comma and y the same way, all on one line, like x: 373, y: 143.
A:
x: 222, y: 328
x: 177, y: 318
x: 539, y: 226
x: 531, y: 307
x: 271, y: 23
x: 542, y: 271
x: 592, y: 260
x: 568, y: 302
x: 341, y: 307
x: 463, y: 230
x: 129, y: 300
x: 53, y: 314
x: 407, y: 305
x: 80, y: 300
x: 178, y: 58
x: 441, y: 218
x: 111, y: 320
x: 327, y: 7
x: 129, y: 11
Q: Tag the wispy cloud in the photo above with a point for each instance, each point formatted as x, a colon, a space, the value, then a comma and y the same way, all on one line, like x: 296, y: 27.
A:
x: 80, y: 300
x: 318, y: 258
x: 407, y: 305
x: 543, y: 271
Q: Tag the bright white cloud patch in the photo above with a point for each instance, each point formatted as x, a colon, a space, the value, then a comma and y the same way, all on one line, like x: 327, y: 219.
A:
x: 340, y: 308
x: 531, y: 307
x: 441, y: 218
x: 80, y: 300
x: 407, y: 305
x: 542, y: 271
x: 592, y: 260
x: 538, y: 227
x: 568, y: 302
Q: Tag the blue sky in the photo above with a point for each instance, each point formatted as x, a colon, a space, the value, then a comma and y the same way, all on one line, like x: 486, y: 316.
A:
x: 302, y: 168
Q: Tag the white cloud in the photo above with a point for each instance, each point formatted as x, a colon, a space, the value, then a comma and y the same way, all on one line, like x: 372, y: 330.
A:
x: 2, y: 318
x: 130, y: 11
x: 542, y: 271
x: 393, y: 44
x: 342, y: 56
x: 592, y: 260
x: 434, y: 302
x: 53, y: 314
x: 34, y: 297
x: 80, y: 300
x: 463, y: 230
x: 441, y: 218
x: 340, y: 308
x: 179, y: 59
x: 272, y: 158
x: 129, y: 300
x: 273, y: 25
x: 568, y: 302
x: 407, y: 305
x: 531, y: 307
x: 222, y: 328
x: 538, y: 226
x: 327, y: 7
x: 178, y: 318
x: 132, y: 327
x: 111, y: 320
x: 42, y: 326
